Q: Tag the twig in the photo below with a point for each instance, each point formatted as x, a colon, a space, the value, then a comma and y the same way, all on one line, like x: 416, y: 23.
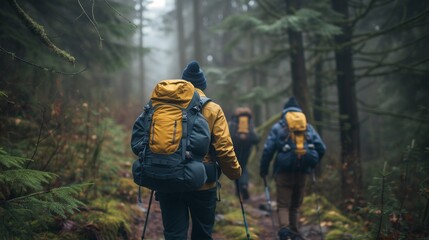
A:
x: 383, y: 178
x: 40, y: 134
x: 92, y: 22
x: 117, y: 12
x: 38, y: 66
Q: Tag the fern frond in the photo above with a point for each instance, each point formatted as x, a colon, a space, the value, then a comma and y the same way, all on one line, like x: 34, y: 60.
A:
x: 7, y: 161
x: 303, y: 20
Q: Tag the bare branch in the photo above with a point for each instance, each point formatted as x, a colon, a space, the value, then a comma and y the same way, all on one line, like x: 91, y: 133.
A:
x: 93, y: 24
x: 38, y: 66
x: 117, y: 12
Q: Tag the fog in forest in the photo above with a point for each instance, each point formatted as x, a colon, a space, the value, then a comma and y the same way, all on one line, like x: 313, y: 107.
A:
x: 75, y: 75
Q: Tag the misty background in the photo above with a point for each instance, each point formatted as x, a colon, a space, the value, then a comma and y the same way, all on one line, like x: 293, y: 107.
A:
x: 74, y: 75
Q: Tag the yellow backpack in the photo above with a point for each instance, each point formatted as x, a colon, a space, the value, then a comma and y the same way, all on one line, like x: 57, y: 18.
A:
x: 174, y: 136
x: 241, y: 128
x: 297, y: 127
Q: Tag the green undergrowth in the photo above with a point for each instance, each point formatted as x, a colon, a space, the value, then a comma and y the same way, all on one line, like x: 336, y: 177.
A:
x: 338, y: 225
x: 230, y: 221
x: 103, y: 219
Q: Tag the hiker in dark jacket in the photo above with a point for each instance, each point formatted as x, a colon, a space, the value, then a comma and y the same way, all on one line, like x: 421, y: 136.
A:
x: 244, y: 138
x: 290, y: 181
x: 176, y: 208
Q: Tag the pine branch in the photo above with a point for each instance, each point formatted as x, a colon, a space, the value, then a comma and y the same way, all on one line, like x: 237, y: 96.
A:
x: 26, y: 179
x: 39, y: 31
x: 397, y: 68
x: 19, y: 206
x: 405, y: 25
x: 376, y: 111
x: 265, y: 5
x: 8, y: 162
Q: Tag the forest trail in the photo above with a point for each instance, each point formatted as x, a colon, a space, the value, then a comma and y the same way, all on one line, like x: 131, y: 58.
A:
x: 252, y: 208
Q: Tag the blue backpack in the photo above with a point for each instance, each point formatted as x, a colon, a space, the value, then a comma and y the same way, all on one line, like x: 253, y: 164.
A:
x: 297, y: 151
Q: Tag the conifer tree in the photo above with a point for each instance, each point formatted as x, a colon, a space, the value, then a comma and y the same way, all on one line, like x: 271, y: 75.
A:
x: 27, y: 199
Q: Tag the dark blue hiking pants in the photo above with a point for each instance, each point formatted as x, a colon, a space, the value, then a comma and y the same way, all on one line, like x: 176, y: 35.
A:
x: 176, y: 208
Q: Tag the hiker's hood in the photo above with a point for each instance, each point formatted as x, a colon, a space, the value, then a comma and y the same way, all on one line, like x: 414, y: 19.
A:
x: 175, y: 91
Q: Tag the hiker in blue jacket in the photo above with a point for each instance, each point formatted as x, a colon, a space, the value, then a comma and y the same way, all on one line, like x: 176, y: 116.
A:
x: 289, y: 170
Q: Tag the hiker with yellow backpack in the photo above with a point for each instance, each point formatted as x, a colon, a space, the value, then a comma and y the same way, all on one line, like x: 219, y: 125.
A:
x: 299, y: 149
x: 244, y: 137
x: 183, y: 143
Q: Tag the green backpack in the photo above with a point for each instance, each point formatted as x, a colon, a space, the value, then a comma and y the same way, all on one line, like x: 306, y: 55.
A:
x: 172, y: 138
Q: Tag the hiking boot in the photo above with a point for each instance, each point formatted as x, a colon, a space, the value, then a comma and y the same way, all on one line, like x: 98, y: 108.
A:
x: 289, y: 234
x: 293, y: 231
x: 284, y: 234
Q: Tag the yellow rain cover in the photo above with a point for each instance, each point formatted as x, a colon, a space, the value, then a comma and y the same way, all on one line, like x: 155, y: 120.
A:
x: 166, y: 125
x: 296, y: 121
x: 243, y: 124
x: 173, y: 91
x: 297, y: 124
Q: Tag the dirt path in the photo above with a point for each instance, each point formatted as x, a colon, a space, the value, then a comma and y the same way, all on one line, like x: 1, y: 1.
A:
x: 265, y: 220
x: 252, y: 208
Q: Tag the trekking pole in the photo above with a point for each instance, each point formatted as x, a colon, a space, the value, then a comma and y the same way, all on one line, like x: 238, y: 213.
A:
x: 317, y: 204
x: 267, y: 196
x: 242, y: 209
x: 147, y: 214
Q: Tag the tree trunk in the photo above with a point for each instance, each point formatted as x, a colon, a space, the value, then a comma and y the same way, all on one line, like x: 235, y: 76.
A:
x: 198, y: 54
x: 297, y: 61
x: 226, y: 36
x: 318, y: 94
x: 351, y: 172
x: 180, y: 34
x: 318, y: 101
x: 141, y: 60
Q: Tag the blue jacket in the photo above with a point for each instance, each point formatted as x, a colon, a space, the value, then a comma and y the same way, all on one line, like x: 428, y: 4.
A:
x: 276, y: 141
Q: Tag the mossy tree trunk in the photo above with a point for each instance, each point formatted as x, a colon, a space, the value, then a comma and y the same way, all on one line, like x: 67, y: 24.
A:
x: 351, y: 172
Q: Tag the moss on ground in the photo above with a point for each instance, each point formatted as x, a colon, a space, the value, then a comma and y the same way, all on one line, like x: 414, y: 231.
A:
x: 103, y: 219
x: 232, y: 225
x: 339, y: 226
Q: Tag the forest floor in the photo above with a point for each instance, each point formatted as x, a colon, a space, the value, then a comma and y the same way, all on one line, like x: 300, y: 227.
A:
x: 253, y: 209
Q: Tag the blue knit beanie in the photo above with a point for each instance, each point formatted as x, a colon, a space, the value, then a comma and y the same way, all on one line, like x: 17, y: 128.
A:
x: 292, y: 104
x: 195, y: 75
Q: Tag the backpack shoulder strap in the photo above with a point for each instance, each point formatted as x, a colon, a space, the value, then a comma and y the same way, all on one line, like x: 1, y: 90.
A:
x: 204, y: 100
